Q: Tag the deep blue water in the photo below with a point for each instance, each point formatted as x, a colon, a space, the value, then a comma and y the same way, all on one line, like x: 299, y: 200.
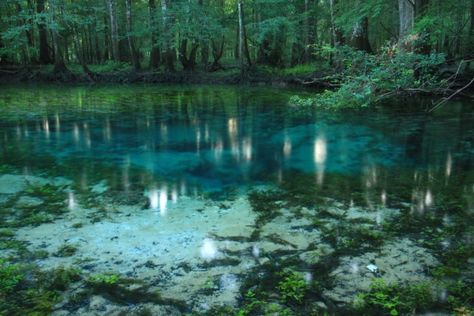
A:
x: 217, y: 137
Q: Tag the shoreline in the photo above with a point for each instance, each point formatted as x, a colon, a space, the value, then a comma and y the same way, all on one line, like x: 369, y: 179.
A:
x: 226, y: 77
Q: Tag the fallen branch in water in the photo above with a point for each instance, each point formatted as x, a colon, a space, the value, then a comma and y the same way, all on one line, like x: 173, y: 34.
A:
x: 327, y: 81
x: 442, y: 102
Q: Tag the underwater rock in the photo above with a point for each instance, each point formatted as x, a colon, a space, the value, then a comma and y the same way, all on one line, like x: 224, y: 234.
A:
x: 313, y: 257
x: 98, y: 303
x: 100, y: 187
x: 13, y: 184
x: 399, y: 262
x: 28, y: 201
x: 286, y: 231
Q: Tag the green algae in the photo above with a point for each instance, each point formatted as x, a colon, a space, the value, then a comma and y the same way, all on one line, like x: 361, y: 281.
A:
x: 392, y: 299
x: 123, y: 290
x: 66, y: 250
x: 25, y: 290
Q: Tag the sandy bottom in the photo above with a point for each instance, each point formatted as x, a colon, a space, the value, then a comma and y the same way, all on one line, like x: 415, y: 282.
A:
x: 199, y: 251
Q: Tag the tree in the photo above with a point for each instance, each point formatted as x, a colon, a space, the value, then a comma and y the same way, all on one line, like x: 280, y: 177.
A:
x: 113, y: 29
x: 44, y: 54
x: 360, y: 35
x: 131, y: 44
x: 155, y: 50
x: 406, y: 9
x: 169, y: 54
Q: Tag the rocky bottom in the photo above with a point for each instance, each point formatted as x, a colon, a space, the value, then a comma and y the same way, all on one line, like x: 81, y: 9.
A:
x: 243, y: 255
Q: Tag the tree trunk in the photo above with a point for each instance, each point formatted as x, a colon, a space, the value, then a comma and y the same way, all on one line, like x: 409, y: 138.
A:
x: 217, y: 52
x: 131, y: 42
x: 335, y: 38
x: 82, y: 62
x: 107, y: 40
x: 471, y: 30
x: 309, y: 25
x: 44, y: 54
x: 169, y: 55
x: 155, y: 50
x: 204, y: 44
x: 189, y: 63
x: 241, y: 38
x: 29, y: 33
x: 420, y: 7
x: 60, y: 68
x: 113, y: 30
x: 98, y: 55
x: 406, y: 10
x: 25, y: 57
x: 360, y: 35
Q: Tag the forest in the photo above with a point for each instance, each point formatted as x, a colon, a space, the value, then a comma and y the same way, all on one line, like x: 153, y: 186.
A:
x: 317, y: 43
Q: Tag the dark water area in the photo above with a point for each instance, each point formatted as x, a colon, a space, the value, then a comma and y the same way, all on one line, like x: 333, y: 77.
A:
x: 332, y: 199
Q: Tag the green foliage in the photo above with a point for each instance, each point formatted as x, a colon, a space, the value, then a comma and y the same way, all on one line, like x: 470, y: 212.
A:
x: 111, y: 66
x: 66, y: 251
x: 10, y: 277
x: 24, y: 290
x: 293, y: 288
x: 460, y: 294
x: 391, y: 299
x: 368, y: 79
x: 104, y: 279
x: 6, y: 233
x: 60, y: 278
x: 252, y: 304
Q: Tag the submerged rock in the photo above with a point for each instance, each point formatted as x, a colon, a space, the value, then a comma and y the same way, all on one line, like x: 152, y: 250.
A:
x: 28, y: 201
x: 313, y: 257
x: 398, y: 262
x: 14, y: 184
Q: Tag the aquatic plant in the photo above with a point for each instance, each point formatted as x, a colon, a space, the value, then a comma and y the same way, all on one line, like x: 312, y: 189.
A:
x: 460, y: 294
x: 292, y: 288
x: 104, y: 279
x: 6, y: 233
x: 21, y: 295
x: 77, y: 225
x: 209, y: 287
x: 60, y: 278
x: 127, y: 291
x: 39, y: 254
x: 252, y: 305
x: 66, y: 251
x: 266, y: 204
x: 10, y: 277
x: 394, y: 299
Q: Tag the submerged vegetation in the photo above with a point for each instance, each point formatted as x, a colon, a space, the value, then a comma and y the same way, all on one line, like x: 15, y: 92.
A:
x: 182, y: 203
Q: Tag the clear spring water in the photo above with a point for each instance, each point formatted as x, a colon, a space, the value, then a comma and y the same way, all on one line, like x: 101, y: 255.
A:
x: 167, y: 156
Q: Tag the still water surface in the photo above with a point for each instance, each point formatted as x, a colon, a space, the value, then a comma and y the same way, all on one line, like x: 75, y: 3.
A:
x: 159, y: 177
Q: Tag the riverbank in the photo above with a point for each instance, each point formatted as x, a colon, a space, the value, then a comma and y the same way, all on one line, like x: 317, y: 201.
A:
x: 338, y: 89
x: 262, y: 76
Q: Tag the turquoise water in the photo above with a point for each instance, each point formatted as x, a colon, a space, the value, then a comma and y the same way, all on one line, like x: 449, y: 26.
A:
x: 161, y: 176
